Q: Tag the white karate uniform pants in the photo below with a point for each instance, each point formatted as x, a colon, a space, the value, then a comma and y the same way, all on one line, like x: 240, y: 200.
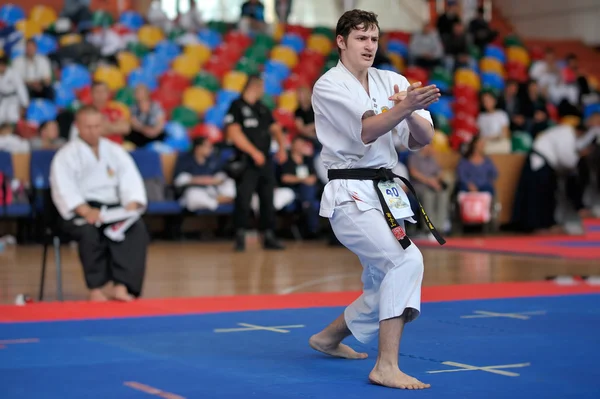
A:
x: 196, y: 198
x: 391, y: 277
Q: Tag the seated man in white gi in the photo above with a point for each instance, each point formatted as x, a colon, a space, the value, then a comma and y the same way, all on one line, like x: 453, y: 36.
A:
x: 358, y: 109
x: 100, y: 196
x: 200, y: 176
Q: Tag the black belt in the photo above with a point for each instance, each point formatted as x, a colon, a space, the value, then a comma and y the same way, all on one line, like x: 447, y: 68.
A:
x: 384, y: 174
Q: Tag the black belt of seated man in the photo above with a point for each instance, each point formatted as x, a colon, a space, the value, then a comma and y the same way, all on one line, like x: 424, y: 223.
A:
x: 384, y: 174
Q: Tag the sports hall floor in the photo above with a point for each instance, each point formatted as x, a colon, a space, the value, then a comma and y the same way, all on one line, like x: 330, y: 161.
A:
x: 217, y: 324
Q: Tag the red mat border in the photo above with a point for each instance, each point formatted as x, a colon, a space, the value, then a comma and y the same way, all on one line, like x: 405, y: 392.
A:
x: 82, y: 310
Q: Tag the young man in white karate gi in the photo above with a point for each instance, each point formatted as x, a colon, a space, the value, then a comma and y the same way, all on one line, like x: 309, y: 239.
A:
x: 358, y: 109
x: 100, y: 196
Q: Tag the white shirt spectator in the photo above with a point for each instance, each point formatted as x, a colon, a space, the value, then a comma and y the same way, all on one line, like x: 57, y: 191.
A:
x: 33, y: 69
x: 491, y: 123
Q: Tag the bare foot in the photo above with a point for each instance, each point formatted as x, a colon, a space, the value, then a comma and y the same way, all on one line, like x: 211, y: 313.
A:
x: 394, y: 378
x: 121, y: 294
x: 96, y: 295
x: 321, y: 344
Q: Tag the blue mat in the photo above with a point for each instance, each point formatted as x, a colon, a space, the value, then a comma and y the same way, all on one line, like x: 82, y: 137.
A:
x: 548, y: 346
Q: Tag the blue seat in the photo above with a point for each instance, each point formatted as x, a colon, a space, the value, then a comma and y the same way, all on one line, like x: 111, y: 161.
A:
x: 39, y: 174
x: 223, y: 209
x: 149, y: 165
x: 11, y: 210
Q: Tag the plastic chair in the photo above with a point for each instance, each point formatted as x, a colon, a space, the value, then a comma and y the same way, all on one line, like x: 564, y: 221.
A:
x: 43, y: 15
x: 197, y: 99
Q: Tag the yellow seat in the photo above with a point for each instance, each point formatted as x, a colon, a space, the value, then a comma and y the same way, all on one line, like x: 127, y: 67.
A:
x: 127, y: 62
x: 279, y: 32
x: 285, y: 55
x: 235, y: 81
x: 492, y: 65
x: 198, y: 99
x: 468, y: 77
x: 111, y: 75
x: 121, y: 107
x: 150, y: 35
x: 397, y: 61
x: 288, y: 101
x: 440, y: 142
x: 69, y: 39
x: 518, y: 55
x: 29, y: 28
x: 43, y: 15
x: 186, y: 65
x: 320, y: 44
x: 199, y: 52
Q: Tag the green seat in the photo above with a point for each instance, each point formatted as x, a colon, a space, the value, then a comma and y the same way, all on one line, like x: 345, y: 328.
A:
x: 442, y: 124
x: 126, y: 96
x: 138, y: 49
x: 513, y: 40
x: 521, y: 142
x: 264, y: 40
x: 208, y: 81
x: 269, y: 102
x: 325, y: 31
x: 185, y: 116
x: 102, y: 19
x: 441, y: 74
x: 218, y: 26
x: 248, y: 66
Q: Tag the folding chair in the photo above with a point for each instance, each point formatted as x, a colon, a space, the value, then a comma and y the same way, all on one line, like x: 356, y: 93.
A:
x: 44, y: 208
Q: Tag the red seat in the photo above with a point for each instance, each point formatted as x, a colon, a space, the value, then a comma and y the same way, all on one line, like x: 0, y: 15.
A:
x: 238, y: 38
x: 286, y: 119
x: 466, y: 105
x: 466, y: 122
x: 466, y: 92
x: 404, y: 37
x: 416, y: 73
x: 173, y: 81
x: 85, y: 95
x: 169, y: 99
x: 209, y: 131
x: 312, y: 57
x: 295, y: 81
x: 301, y: 31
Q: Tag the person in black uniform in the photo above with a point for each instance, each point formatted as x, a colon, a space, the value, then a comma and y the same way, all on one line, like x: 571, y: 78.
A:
x: 250, y: 126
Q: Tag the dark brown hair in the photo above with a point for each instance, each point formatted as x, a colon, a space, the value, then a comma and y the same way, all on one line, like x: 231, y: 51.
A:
x: 352, y: 20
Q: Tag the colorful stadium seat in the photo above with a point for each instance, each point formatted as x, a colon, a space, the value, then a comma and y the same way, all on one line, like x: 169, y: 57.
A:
x: 197, y: 99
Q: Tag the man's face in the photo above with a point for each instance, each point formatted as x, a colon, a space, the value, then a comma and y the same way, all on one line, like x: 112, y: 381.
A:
x: 89, y: 125
x: 360, y: 48
x: 30, y: 49
x: 100, y: 95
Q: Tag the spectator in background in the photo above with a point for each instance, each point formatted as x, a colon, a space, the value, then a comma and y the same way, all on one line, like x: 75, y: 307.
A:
x: 456, y: 47
x: 14, y: 98
x: 79, y: 13
x: 253, y: 17
x: 446, y: 21
x: 199, y: 174
x: 305, y: 116
x: 299, y: 174
x: 147, y: 119
x: 283, y: 8
x: 546, y: 71
x: 191, y: 21
x: 10, y: 142
x: 100, y: 197
x: 476, y: 172
x: 493, y: 126
x: 534, y: 109
x: 426, y: 48
x: 35, y: 71
x: 432, y: 190
x: 115, y: 125
x: 48, y: 137
x: 511, y: 103
x: 250, y: 127
x: 480, y: 30
x: 555, y: 152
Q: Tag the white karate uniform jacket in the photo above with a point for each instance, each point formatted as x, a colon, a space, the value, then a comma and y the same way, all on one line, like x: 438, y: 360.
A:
x: 339, y: 102
x: 77, y: 176
x: 13, y: 96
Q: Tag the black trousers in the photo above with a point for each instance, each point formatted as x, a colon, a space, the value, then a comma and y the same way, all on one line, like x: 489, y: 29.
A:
x: 104, y: 260
x: 260, y: 180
